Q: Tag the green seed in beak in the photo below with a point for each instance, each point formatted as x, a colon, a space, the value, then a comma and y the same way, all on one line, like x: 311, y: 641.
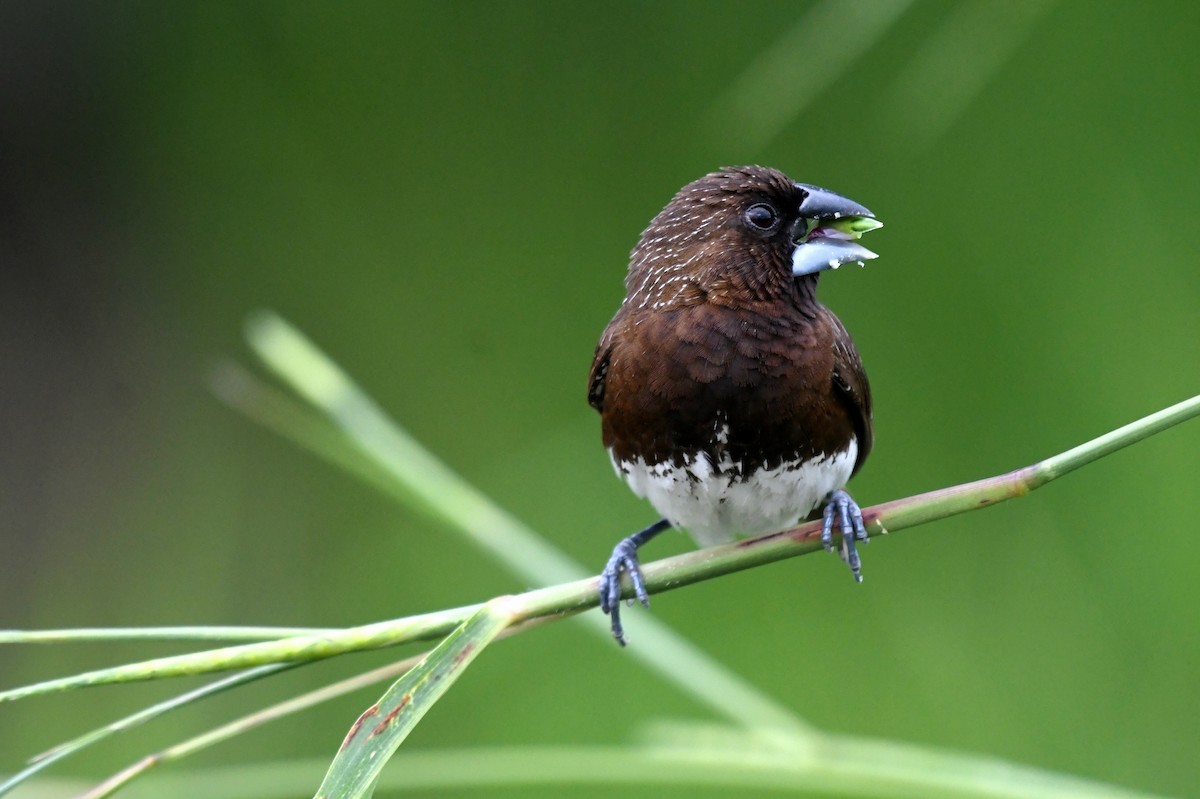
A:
x: 854, y: 225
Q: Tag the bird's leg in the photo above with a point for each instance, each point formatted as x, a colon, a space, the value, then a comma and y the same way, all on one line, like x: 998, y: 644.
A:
x: 842, y: 506
x: 624, y: 557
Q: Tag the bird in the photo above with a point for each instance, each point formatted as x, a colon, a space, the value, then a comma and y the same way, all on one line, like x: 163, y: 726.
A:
x: 730, y: 398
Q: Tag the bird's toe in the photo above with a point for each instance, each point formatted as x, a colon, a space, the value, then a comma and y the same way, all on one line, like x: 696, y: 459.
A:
x: 842, y: 507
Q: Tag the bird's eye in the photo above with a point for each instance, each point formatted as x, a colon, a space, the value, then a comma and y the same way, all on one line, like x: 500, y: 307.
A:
x: 762, y: 216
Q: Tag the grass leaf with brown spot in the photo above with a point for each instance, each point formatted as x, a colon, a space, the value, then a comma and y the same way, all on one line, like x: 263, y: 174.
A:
x: 381, y: 728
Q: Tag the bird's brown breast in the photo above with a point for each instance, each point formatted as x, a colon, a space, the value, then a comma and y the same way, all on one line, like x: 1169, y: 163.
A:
x: 755, y: 383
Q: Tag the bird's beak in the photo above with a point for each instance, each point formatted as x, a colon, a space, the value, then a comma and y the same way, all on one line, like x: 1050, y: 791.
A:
x: 827, y: 232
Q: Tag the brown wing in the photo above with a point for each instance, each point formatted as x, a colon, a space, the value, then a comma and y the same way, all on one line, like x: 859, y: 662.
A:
x: 600, y: 362
x: 850, y: 381
x: 599, y: 372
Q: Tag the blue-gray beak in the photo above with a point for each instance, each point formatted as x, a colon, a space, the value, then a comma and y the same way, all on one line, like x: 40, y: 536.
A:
x: 827, y: 232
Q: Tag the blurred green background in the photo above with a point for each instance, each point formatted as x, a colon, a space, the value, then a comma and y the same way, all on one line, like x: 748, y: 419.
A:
x: 444, y: 195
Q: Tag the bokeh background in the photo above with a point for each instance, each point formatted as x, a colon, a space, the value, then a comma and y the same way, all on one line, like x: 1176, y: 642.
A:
x: 443, y: 195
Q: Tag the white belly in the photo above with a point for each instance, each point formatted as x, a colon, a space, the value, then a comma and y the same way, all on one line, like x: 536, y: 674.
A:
x: 714, y: 505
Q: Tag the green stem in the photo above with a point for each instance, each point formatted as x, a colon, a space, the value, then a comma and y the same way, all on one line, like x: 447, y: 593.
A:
x: 156, y: 634
x: 663, y: 575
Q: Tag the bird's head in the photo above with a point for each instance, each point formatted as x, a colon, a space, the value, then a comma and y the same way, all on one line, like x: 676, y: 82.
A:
x: 744, y: 229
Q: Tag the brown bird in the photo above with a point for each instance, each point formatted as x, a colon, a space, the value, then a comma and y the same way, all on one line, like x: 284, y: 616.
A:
x: 729, y: 397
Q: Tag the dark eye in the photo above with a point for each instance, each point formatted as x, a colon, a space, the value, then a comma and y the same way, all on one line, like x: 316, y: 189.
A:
x: 762, y: 216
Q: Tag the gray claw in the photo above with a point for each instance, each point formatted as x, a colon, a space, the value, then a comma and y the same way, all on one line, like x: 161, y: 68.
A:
x: 841, y: 505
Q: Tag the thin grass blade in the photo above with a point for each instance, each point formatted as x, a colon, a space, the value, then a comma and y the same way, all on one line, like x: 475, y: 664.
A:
x: 246, y: 723
x: 63, y: 750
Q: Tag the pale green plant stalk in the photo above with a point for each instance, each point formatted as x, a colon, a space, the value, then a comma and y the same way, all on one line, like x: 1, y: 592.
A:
x: 192, y: 633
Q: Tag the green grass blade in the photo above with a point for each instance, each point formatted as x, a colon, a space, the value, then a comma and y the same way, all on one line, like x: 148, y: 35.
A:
x: 279, y: 411
x: 246, y: 723
x: 381, y: 729
x: 48, y: 758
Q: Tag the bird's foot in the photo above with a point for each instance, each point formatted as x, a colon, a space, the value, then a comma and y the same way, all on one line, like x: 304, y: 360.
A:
x: 841, y: 506
x: 624, y: 558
